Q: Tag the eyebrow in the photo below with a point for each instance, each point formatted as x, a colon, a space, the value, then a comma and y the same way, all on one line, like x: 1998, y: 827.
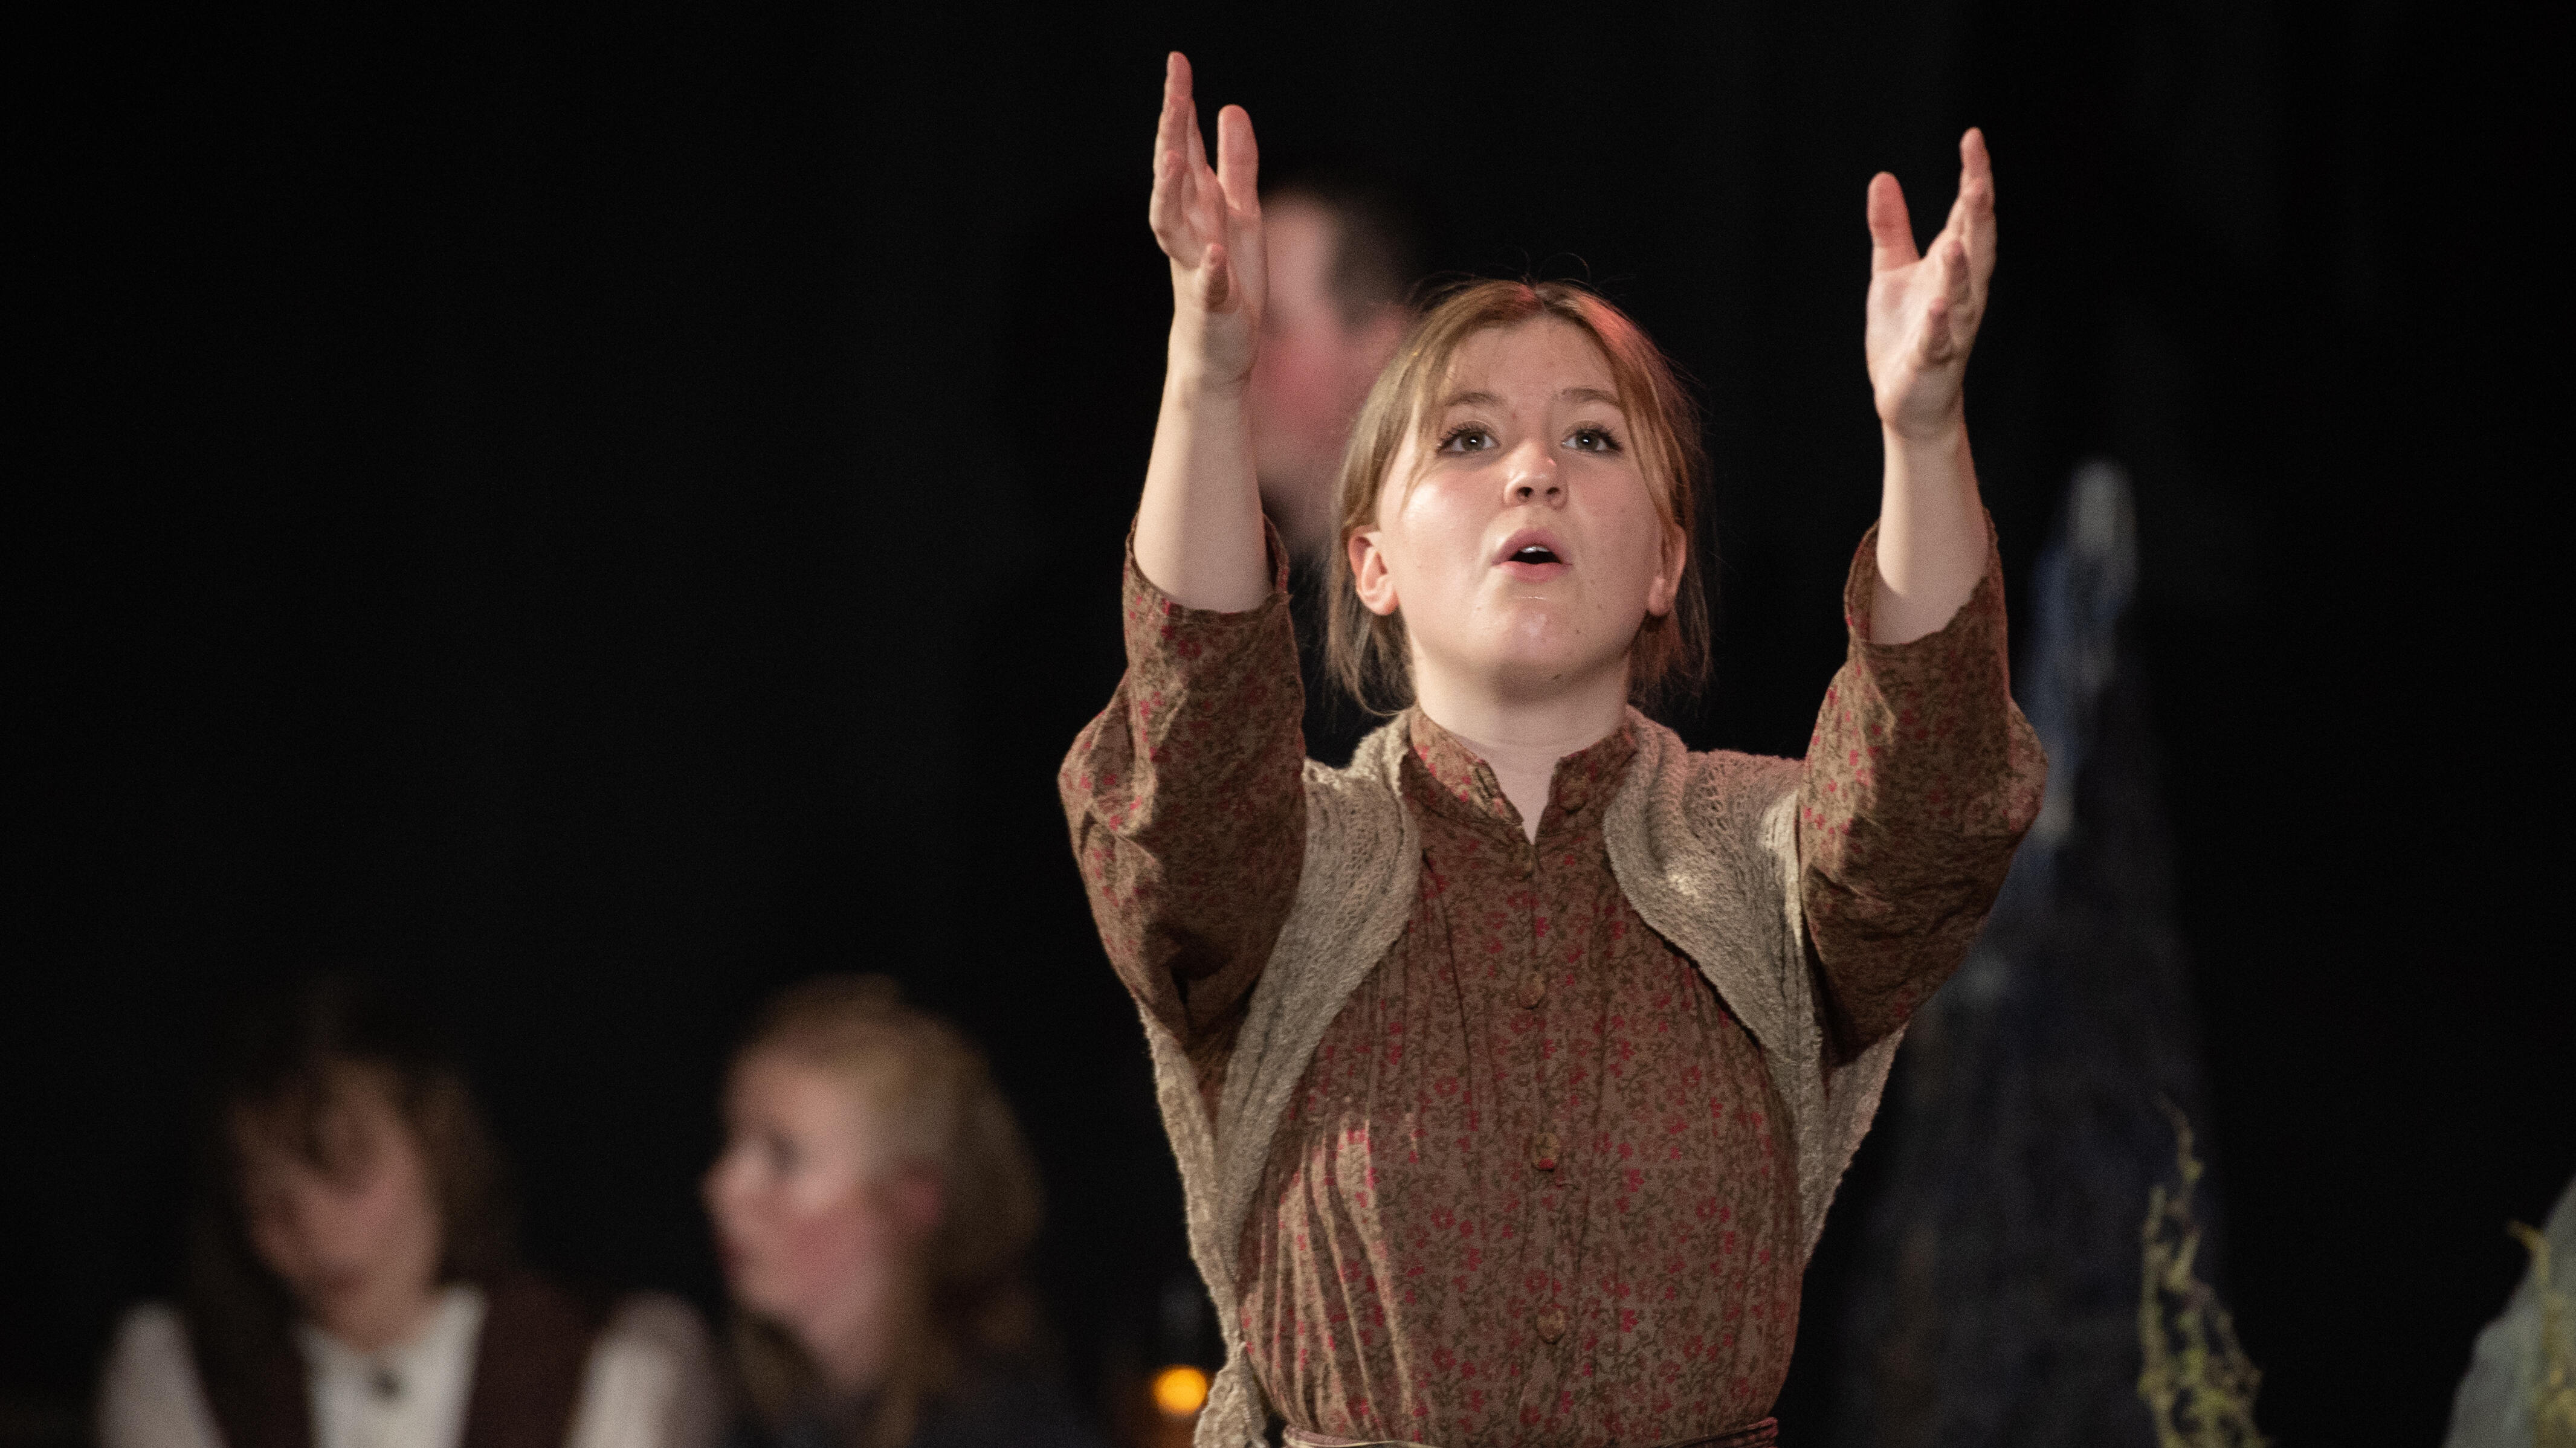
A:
x: 1571, y: 394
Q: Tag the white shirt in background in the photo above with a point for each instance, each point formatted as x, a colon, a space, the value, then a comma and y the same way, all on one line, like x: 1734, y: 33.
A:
x: 410, y: 1395
x: 649, y: 1382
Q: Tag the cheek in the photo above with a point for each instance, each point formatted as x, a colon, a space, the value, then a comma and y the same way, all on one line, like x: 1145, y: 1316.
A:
x: 1634, y: 533
x: 275, y: 1236
x: 1438, y: 537
x: 367, y: 1226
x: 792, y: 1252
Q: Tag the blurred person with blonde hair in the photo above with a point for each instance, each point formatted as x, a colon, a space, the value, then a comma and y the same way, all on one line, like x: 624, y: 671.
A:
x: 351, y: 1277
x: 873, y: 1207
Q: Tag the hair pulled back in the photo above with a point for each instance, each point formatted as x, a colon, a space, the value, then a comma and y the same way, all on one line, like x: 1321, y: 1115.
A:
x: 1668, y: 661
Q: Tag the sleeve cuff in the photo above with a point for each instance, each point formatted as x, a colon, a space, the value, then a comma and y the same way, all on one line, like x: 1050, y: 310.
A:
x: 1140, y: 590
x: 1977, y: 620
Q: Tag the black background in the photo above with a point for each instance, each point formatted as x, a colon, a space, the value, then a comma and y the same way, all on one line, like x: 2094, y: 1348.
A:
x: 607, y: 517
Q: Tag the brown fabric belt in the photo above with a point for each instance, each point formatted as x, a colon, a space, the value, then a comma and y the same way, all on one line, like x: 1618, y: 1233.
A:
x: 1764, y: 1434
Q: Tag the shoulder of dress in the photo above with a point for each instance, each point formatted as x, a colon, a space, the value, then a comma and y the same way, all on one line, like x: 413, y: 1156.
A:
x: 653, y: 1320
x: 1707, y: 785
x: 1376, y: 767
x: 1756, y: 778
x: 151, y: 1327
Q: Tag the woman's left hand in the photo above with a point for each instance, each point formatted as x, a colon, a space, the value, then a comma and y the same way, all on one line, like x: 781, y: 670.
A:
x: 1924, y: 307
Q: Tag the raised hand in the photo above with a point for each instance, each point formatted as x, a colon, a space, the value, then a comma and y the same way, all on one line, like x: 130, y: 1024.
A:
x: 1209, y: 225
x: 1924, y: 307
x: 1199, y: 535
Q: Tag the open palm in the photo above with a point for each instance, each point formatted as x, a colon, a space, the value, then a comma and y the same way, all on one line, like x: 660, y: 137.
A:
x: 1924, y: 307
x: 1208, y: 221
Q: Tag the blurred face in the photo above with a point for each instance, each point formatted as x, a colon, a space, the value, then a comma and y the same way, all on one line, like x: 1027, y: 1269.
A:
x: 1519, y: 538
x: 344, y: 1214
x: 1312, y: 373
x: 813, y: 1234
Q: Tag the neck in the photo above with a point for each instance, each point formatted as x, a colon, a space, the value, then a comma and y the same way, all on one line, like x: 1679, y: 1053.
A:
x: 854, y: 1348
x: 1521, y: 735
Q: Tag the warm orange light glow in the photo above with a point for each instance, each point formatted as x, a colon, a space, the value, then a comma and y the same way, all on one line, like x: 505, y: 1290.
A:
x: 1180, y: 1391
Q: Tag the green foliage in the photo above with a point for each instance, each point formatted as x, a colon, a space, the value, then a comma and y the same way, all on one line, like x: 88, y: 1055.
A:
x: 2553, y: 1403
x: 2196, y: 1380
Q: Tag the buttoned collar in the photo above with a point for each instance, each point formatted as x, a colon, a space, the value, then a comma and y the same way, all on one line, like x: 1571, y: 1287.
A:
x: 1455, y: 780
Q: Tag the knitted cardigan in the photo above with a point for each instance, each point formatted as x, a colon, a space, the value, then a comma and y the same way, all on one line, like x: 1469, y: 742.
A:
x: 1704, y: 845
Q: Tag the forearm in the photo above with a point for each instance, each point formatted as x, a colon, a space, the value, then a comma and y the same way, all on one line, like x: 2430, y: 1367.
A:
x: 1920, y: 778
x: 1198, y: 530
x: 1931, y: 533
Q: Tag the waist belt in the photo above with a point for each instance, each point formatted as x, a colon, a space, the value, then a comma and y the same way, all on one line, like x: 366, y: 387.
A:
x: 1764, y: 1434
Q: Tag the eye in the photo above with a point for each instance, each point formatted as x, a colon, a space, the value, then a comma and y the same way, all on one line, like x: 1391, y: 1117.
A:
x: 1589, y: 438
x: 1467, y: 437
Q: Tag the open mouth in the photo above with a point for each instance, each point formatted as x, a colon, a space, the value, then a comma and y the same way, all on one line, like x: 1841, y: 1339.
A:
x: 1532, y: 553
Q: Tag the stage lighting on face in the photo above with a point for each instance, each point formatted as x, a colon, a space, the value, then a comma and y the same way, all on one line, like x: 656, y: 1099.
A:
x: 1180, y: 1391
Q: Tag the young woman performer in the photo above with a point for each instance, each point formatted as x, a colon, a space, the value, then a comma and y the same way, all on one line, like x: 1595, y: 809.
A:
x: 1511, y: 1069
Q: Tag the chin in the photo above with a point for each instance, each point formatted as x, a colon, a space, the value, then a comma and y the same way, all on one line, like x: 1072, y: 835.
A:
x: 1542, y: 660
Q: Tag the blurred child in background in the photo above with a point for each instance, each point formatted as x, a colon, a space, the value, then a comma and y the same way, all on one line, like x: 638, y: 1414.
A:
x: 351, y: 1280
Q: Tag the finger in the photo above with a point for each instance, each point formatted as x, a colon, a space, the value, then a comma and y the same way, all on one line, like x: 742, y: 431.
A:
x: 1949, y: 320
x: 1238, y: 160
x: 1166, y: 124
x: 1891, y: 230
x: 1216, y: 277
x: 1163, y: 212
x: 1976, y: 168
x: 1167, y: 210
x: 1193, y: 138
x: 1977, y: 203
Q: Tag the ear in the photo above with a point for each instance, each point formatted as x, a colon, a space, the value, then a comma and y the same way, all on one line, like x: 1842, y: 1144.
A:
x: 1667, y: 585
x: 1376, y: 587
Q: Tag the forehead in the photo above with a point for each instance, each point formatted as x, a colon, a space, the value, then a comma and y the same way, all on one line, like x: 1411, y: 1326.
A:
x: 797, y: 1093
x: 1528, y: 362
x: 325, y: 1122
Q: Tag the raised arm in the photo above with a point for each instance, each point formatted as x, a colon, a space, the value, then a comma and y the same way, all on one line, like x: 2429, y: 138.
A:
x: 1922, y: 775
x: 1923, y: 314
x: 1185, y: 796
x: 1198, y: 531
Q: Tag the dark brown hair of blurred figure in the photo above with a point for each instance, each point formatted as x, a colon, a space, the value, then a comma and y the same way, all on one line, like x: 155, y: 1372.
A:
x: 966, y: 1299
x: 1343, y: 259
x: 292, y: 1056
x: 1668, y: 661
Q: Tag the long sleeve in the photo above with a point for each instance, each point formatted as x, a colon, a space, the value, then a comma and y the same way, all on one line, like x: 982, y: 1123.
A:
x: 1920, y: 779
x: 1187, y: 805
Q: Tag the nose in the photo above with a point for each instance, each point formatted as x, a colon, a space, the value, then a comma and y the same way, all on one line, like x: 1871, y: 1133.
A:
x: 1532, y: 476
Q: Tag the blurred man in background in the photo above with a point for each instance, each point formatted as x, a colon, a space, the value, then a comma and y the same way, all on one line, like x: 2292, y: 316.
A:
x: 1343, y: 267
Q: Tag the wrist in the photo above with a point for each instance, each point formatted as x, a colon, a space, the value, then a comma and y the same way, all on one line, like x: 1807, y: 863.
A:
x: 1192, y: 380
x: 1944, y: 433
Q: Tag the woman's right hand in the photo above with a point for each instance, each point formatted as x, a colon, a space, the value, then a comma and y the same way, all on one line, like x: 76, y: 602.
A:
x: 1209, y: 224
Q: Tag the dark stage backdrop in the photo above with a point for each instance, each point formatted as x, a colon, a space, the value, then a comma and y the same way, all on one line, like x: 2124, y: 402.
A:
x: 608, y: 518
